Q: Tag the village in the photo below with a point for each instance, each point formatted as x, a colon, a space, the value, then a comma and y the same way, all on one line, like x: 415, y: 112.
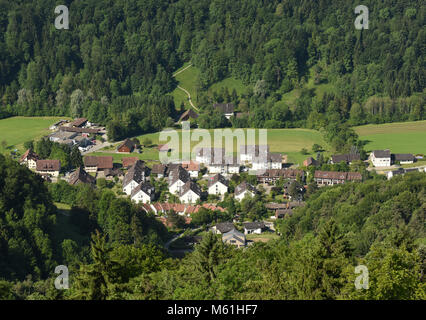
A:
x: 203, y: 182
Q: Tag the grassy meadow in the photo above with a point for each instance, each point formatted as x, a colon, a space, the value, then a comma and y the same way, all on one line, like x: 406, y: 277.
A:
x: 399, y: 137
x: 16, y: 131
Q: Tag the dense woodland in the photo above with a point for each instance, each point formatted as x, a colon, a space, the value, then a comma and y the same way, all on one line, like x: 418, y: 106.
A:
x: 116, y: 250
x: 115, y: 63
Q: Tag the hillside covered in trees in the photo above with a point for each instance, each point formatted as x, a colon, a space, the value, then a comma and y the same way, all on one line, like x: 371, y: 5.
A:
x: 115, y: 63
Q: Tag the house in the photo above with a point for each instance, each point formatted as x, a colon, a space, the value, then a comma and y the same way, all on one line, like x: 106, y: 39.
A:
x: 177, y: 178
x: 56, y: 125
x: 273, y: 175
x: 62, y: 136
x: 143, y: 193
x: 48, y: 167
x: 273, y: 161
x: 80, y: 176
x: 253, y: 227
x: 128, y: 162
x: 112, y: 173
x: 288, y: 209
x: 217, y: 185
x: 226, y: 108
x: 190, y: 192
x: 95, y: 164
x: 310, y: 162
x: 187, y: 115
x: 323, y: 178
x: 380, y: 158
x: 223, y: 227
x: 135, y: 176
x: 207, y: 155
x: 347, y: 158
x: 159, y: 170
x: 244, y: 189
x: 224, y: 165
x: 79, y: 122
x: 126, y: 146
x: 29, y: 158
x: 84, y: 131
x: 403, y: 158
x: 248, y: 153
x: 192, y: 167
x: 235, y: 238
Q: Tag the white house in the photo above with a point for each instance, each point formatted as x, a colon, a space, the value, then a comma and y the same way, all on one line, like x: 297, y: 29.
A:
x: 381, y: 158
x: 134, y: 177
x: 248, y: 153
x: 272, y: 161
x: 29, y: 158
x: 403, y: 158
x: 192, y: 167
x: 48, y: 167
x: 253, y: 227
x: 190, y: 192
x: 217, y: 185
x: 244, y: 189
x: 177, y: 179
x: 207, y: 155
x: 143, y: 193
x: 226, y: 165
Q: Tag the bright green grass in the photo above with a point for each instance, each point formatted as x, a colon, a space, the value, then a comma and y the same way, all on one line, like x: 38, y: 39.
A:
x: 187, y: 80
x: 17, y: 130
x: 231, y: 84
x: 286, y: 141
x: 399, y: 137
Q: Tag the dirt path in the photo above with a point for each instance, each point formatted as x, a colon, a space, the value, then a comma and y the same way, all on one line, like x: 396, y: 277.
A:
x: 184, y: 90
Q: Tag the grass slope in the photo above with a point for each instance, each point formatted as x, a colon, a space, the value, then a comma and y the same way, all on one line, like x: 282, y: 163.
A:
x: 399, y: 137
x: 187, y: 80
x: 17, y: 130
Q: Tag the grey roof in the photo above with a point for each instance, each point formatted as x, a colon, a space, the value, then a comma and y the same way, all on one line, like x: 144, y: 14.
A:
x: 145, y: 187
x: 234, y: 234
x: 217, y: 178
x: 178, y: 173
x: 403, y: 157
x: 382, y: 153
x: 275, y: 157
x: 243, y: 187
x: 81, y: 176
x: 254, y: 225
x: 224, y: 227
x: 190, y: 186
x: 136, y: 173
x: 345, y: 157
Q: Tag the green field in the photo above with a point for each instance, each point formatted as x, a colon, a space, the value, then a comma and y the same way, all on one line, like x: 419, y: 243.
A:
x: 17, y: 130
x: 399, y: 137
x: 187, y: 80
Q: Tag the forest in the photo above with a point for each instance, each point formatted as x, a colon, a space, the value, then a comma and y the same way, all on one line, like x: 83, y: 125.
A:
x: 119, y: 252
x: 115, y: 63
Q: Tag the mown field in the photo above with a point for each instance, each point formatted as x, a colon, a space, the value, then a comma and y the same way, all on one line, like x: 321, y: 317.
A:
x: 187, y: 80
x: 16, y: 131
x: 399, y: 137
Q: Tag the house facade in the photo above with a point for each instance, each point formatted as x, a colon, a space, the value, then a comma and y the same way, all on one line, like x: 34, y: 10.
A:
x: 29, y: 158
x: 217, y: 185
x: 243, y: 190
x: 380, y: 158
x: 253, y: 227
x: 143, y: 193
x: 235, y: 238
x: 48, y: 167
x: 95, y: 164
x: 330, y: 178
x: 190, y: 192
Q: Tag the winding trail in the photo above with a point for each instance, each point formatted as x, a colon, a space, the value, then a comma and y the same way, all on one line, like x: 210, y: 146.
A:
x: 184, y: 90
